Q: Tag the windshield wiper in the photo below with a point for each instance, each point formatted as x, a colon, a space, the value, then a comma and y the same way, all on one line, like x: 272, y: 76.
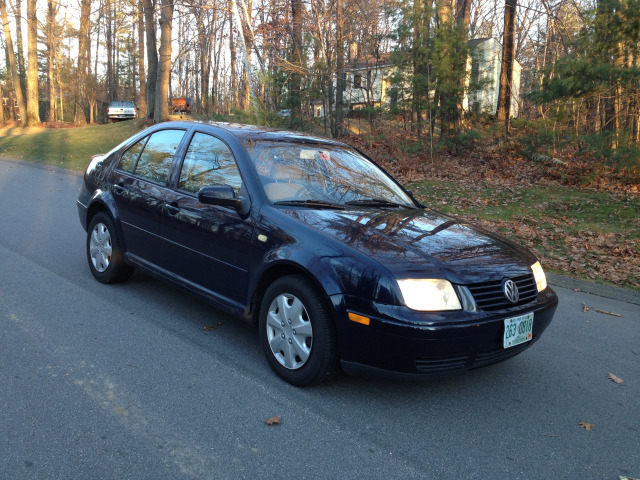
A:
x: 310, y: 203
x: 377, y: 202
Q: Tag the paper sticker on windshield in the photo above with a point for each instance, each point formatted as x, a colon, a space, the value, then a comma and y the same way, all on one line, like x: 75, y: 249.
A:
x: 323, y: 156
x: 308, y: 154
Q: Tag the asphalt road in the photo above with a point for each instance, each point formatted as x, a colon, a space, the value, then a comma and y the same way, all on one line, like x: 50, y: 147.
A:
x: 123, y: 382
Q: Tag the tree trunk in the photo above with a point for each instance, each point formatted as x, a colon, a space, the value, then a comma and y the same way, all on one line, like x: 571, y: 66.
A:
x: 418, y: 61
x: 84, y: 42
x: 444, y: 79
x: 232, y: 50
x: 246, y: 93
x: 52, y: 8
x: 1, y: 107
x: 109, y: 39
x: 12, y: 63
x: 142, y: 98
x: 341, y: 79
x: 152, y: 56
x: 33, y: 105
x: 295, y: 83
x: 20, y: 60
x: 161, y: 109
x: 245, y: 53
x: 463, y: 14
x: 503, y: 114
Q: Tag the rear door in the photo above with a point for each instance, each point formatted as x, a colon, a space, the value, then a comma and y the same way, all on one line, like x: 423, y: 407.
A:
x: 139, y: 184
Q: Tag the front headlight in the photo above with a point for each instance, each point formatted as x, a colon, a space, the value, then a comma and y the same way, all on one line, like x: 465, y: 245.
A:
x: 538, y: 274
x: 429, y: 295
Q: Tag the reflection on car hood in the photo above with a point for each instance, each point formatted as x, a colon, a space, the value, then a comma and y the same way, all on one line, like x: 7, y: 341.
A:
x: 418, y: 243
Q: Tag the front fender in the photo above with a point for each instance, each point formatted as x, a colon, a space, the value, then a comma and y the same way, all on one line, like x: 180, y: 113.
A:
x: 333, y: 272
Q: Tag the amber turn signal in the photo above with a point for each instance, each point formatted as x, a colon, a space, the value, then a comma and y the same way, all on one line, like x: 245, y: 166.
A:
x: 359, y: 319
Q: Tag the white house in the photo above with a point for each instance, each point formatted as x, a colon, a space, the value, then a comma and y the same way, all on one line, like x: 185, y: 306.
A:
x: 369, y: 79
x: 484, y: 66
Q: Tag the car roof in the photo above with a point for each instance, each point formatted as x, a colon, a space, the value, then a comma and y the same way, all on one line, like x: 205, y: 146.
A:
x: 255, y: 132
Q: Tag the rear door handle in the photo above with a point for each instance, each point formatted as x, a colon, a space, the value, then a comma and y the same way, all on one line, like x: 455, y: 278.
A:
x: 172, y: 208
x: 119, y: 188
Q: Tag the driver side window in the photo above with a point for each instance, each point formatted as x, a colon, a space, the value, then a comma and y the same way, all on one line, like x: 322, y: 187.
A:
x: 208, y: 161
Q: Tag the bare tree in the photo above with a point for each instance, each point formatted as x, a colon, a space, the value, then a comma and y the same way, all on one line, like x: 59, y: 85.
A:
x: 142, y: 93
x: 161, y: 108
x: 17, y: 11
x: 84, y: 42
x: 341, y: 79
x: 52, y: 48
x: 33, y: 106
x: 295, y: 82
x: 152, y: 56
x: 12, y: 62
x: 232, y: 51
x: 503, y: 113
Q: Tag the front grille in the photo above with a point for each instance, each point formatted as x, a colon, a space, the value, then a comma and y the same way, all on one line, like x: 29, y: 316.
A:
x: 489, y: 295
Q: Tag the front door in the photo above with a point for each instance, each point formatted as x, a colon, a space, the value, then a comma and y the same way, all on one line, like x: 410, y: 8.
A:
x: 207, y: 246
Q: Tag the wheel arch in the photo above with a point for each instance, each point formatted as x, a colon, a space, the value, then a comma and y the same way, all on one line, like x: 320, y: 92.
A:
x: 102, y: 202
x: 273, y: 273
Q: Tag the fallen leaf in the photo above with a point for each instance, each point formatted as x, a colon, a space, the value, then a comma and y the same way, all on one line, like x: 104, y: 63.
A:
x: 208, y: 328
x: 584, y: 307
x: 586, y: 426
x: 615, y: 378
x: 274, y: 420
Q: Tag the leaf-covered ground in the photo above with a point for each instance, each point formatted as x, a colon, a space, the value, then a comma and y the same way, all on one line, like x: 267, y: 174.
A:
x: 583, y: 220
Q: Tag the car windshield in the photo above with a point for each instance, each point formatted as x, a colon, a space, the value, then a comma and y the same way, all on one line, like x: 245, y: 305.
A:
x: 306, y: 173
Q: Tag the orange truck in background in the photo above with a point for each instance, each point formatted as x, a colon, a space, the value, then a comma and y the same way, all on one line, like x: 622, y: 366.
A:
x: 180, y: 105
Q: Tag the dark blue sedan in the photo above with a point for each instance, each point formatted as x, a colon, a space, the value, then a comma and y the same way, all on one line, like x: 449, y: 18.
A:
x: 311, y: 241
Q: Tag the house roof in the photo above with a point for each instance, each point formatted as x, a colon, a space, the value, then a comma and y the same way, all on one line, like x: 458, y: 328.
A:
x: 371, y: 61
x: 478, y: 41
x: 386, y: 59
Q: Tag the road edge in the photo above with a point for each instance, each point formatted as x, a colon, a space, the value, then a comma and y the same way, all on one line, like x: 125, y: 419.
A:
x: 51, y: 168
x: 598, y: 289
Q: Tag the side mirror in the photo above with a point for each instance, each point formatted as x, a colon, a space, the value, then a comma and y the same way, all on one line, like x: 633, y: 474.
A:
x: 222, y: 195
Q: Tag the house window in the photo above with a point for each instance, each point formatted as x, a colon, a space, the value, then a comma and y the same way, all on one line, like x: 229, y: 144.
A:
x: 357, y: 80
x: 475, y: 70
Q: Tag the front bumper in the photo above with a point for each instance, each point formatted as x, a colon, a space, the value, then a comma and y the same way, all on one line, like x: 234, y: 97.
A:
x: 401, y: 343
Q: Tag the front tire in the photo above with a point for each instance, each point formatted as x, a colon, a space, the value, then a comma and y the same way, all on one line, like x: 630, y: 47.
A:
x: 104, y: 254
x: 297, y: 332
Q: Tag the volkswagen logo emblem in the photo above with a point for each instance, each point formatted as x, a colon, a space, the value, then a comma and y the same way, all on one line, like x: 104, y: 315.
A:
x: 510, y: 290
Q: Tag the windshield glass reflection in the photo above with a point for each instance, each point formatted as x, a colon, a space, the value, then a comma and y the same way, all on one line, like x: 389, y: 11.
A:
x: 302, y: 172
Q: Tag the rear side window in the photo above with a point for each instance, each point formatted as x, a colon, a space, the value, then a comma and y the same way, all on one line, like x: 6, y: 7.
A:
x: 154, y: 162
x: 208, y: 161
x: 130, y: 157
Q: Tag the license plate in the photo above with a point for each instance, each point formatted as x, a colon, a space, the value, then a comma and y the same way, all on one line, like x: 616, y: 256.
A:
x: 518, y: 330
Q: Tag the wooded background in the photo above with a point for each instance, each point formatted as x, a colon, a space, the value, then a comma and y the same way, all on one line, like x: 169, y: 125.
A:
x: 580, y: 62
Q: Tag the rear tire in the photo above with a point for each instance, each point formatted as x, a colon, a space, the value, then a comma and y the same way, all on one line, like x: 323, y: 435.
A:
x: 297, y: 332
x: 104, y: 254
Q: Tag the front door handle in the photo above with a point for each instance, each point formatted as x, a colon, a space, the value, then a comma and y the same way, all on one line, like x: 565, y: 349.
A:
x: 172, y: 208
x: 119, y: 188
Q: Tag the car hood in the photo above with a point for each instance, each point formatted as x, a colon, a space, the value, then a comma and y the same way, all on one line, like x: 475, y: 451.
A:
x: 421, y: 243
